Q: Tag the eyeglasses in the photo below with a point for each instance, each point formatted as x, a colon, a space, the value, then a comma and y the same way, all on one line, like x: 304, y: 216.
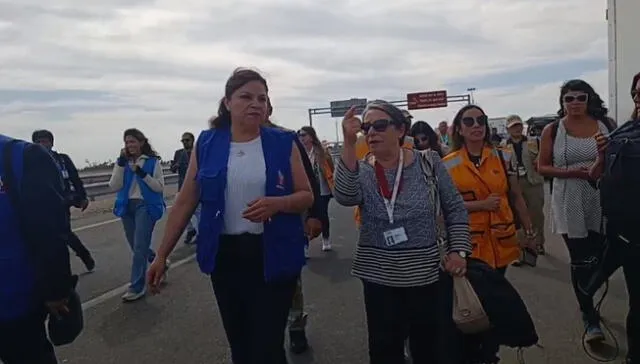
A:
x: 634, y: 93
x: 480, y: 120
x: 571, y: 98
x: 378, y: 125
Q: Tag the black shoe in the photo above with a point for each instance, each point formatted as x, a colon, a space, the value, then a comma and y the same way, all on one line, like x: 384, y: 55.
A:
x: 89, y: 263
x: 189, y: 238
x: 298, y: 341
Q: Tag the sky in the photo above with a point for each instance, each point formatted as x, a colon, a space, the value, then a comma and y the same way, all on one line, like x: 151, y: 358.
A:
x: 88, y: 70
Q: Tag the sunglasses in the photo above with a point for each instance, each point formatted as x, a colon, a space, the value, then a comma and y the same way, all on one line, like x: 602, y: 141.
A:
x: 418, y: 140
x: 480, y: 120
x: 634, y: 93
x: 378, y: 125
x: 302, y: 134
x: 570, y: 98
x: 186, y: 140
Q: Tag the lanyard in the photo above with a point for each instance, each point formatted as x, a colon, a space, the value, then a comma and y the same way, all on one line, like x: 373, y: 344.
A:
x: 390, y: 203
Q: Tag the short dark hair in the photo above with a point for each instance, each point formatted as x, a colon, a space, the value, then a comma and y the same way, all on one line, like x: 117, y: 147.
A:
x: 41, y: 134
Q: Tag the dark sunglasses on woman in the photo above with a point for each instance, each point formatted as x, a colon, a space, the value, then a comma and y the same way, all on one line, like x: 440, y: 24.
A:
x: 480, y: 120
x: 570, y: 98
x: 378, y: 125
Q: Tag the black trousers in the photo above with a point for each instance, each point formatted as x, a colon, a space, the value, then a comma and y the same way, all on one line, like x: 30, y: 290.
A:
x: 254, y: 312
x: 76, y: 245
x: 324, y: 203
x: 630, y: 252
x: 24, y: 341
x: 422, y: 313
x: 581, y: 251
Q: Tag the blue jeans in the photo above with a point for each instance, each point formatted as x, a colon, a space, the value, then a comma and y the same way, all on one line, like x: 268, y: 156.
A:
x: 138, y: 227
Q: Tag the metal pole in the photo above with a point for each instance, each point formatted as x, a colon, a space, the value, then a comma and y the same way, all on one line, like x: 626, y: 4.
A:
x: 310, y: 119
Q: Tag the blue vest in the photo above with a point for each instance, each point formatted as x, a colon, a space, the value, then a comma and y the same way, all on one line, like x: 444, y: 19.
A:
x: 17, y: 277
x: 154, y: 201
x: 283, y: 237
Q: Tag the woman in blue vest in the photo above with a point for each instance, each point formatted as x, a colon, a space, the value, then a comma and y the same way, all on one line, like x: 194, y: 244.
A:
x: 137, y: 176
x: 251, y: 183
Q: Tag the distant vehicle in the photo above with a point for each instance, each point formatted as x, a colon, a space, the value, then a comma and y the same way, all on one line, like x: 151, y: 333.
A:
x: 535, y: 124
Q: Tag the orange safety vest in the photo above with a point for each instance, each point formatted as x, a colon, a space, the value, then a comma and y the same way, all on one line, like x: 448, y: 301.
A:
x: 493, y: 234
x: 362, y: 149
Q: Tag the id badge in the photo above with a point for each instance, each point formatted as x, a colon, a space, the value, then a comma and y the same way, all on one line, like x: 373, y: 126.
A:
x: 395, y: 236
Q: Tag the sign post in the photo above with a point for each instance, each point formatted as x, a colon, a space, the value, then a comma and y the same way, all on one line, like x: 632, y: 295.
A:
x: 340, y: 108
x: 427, y: 100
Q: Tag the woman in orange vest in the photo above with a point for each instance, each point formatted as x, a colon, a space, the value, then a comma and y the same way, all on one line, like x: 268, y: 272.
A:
x: 480, y: 172
x: 323, y: 167
x: 483, y: 177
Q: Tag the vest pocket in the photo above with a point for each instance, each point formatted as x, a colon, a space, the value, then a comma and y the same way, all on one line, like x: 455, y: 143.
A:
x: 504, y: 233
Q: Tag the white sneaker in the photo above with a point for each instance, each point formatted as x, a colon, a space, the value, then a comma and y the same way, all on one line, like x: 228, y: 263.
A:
x: 131, y: 296
x: 326, y: 245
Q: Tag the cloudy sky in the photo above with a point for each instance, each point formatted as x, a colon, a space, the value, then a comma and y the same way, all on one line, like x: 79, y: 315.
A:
x: 87, y: 70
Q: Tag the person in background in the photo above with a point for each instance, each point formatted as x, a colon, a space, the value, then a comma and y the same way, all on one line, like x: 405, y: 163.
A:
x: 525, y: 164
x: 622, y: 229
x: 322, y: 163
x: 179, y: 165
x: 35, y: 274
x: 74, y: 192
x: 496, y: 139
x: 137, y: 177
x: 298, y: 342
x: 424, y: 137
x: 397, y: 257
x: 567, y: 150
x: 443, y: 132
x: 252, y: 186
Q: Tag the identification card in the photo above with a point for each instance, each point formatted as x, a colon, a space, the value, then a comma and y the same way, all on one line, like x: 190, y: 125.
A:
x: 395, y: 236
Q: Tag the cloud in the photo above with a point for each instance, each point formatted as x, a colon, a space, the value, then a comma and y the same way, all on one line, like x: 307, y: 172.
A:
x: 89, y: 70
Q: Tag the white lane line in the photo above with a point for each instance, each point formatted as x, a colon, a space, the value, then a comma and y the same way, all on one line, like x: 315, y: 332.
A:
x: 101, y: 223
x: 122, y: 289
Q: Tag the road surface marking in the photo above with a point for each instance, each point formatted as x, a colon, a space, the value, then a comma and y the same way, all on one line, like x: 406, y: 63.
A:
x: 123, y: 288
x: 101, y: 223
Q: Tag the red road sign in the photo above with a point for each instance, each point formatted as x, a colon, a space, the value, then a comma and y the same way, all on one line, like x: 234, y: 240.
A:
x: 427, y: 100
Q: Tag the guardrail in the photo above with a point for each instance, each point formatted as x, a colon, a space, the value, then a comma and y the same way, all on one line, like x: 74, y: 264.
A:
x: 97, y: 184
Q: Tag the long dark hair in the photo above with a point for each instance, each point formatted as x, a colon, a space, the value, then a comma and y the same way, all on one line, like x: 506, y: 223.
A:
x: 634, y: 115
x: 595, y: 105
x: 457, y: 141
x: 421, y: 127
x: 147, y: 149
x: 318, y: 148
x: 239, y: 78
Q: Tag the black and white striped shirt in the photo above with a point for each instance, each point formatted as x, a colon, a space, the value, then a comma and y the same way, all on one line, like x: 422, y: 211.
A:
x: 416, y: 261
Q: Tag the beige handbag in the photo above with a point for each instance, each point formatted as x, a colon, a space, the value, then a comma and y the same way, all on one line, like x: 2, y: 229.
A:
x: 468, y: 313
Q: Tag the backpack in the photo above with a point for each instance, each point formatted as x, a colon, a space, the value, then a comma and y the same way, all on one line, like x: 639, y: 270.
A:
x: 609, y: 123
x: 619, y: 195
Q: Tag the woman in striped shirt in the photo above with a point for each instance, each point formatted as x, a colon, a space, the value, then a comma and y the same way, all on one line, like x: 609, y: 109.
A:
x: 397, y: 257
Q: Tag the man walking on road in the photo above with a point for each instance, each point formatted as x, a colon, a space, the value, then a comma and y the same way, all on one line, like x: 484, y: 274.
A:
x: 35, y: 274
x: 74, y: 192
x: 179, y: 165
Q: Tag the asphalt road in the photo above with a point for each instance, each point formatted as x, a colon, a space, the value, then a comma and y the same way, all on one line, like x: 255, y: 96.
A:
x: 182, y: 324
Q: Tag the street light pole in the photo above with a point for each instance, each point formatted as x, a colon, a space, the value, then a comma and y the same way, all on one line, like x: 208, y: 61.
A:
x: 471, y: 90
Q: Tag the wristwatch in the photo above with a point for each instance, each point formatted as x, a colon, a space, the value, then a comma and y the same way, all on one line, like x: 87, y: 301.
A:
x: 463, y: 254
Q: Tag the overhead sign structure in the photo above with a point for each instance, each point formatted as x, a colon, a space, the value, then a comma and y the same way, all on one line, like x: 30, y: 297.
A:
x: 339, y: 108
x: 427, y: 100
